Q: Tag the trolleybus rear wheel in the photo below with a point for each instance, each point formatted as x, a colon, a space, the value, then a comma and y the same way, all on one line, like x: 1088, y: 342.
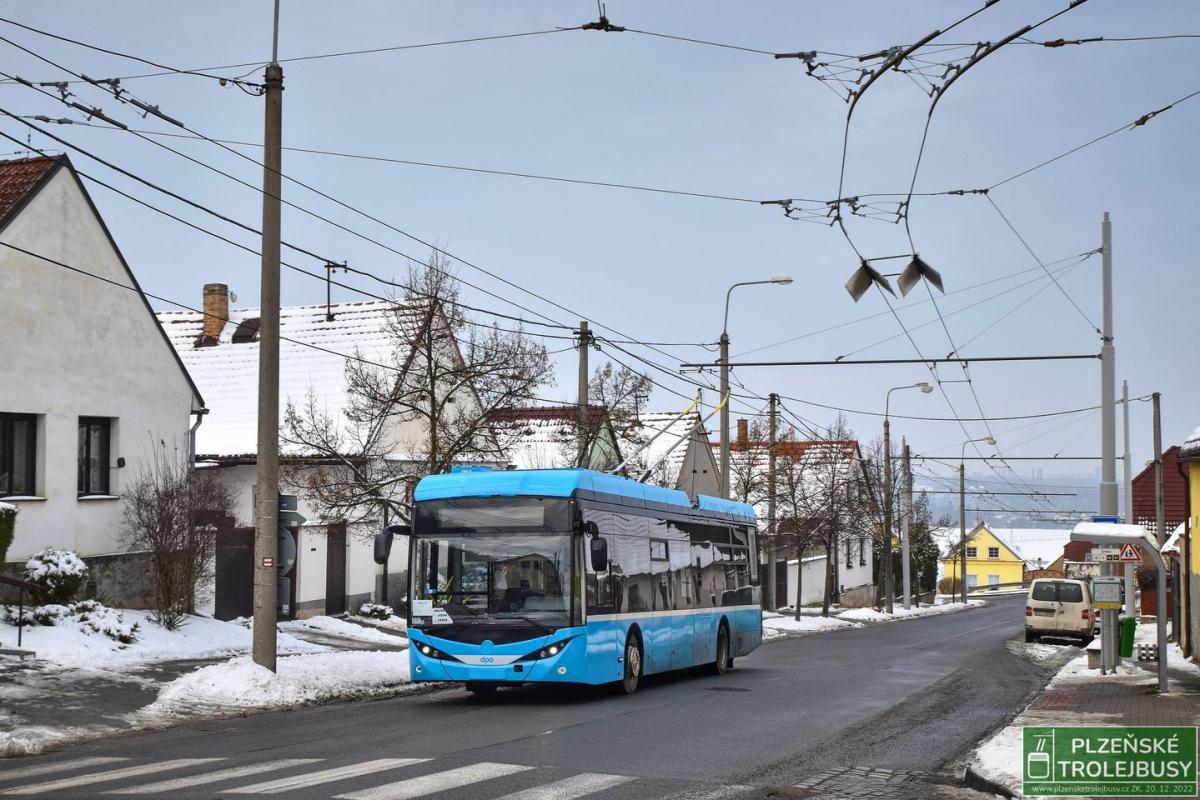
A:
x: 633, y: 663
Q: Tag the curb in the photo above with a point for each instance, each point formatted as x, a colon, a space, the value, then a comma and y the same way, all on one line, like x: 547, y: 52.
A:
x: 973, y: 780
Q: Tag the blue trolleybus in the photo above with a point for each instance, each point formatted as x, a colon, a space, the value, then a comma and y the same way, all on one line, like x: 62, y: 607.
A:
x: 575, y: 576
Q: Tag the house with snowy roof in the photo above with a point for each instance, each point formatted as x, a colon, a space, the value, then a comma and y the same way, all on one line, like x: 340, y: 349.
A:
x: 334, y: 569
x: 547, y: 437
x: 674, y: 447
x: 806, y: 469
x: 90, y: 388
x: 1189, y: 580
x: 1005, y: 556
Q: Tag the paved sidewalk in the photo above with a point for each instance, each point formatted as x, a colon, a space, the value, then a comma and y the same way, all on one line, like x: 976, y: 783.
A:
x: 1079, y: 696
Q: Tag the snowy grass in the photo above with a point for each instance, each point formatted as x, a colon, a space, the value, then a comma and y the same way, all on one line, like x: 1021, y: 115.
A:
x: 780, y: 625
x: 346, y: 630
x: 67, y: 645
x: 240, y: 685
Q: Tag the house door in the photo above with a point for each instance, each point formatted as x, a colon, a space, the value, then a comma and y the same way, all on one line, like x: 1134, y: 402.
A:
x: 781, y: 574
x: 335, y: 569
x: 234, y: 589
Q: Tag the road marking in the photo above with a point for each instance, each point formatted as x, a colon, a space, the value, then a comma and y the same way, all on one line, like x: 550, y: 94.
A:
x: 570, y: 788
x: 61, y: 766
x: 108, y: 775
x: 323, y: 776
x: 172, y: 784
x: 436, y: 782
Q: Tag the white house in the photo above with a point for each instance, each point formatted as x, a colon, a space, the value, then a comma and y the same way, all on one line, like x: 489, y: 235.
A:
x: 811, y: 467
x: 335, y: 569
x: 89, y: 385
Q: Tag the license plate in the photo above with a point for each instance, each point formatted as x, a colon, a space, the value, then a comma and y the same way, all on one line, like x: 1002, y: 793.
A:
x: 1042, y: 612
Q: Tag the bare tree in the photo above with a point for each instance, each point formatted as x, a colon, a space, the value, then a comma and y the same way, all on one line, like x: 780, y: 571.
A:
x: 820, y: 499
x: 615, y: 396
x: 424, y: 408
x: 173, y: 512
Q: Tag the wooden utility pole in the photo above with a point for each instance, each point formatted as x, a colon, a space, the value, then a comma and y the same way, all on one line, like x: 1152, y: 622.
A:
x: 266, y: 576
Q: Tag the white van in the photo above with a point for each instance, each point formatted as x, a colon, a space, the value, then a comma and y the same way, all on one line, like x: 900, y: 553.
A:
x: 1061, y: 608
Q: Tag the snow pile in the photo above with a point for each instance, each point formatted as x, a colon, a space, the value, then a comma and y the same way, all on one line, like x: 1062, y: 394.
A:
x: 90, y: 616
x: 780, y: 625
x: 374, y: 611
x: 78, y: 645
x: 240, y: 684
x: 900, y: 612
x: 346, y: 630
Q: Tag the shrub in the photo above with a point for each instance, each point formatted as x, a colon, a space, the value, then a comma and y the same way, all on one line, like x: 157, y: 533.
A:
x: 59, y: 575
x: 374, y: 611
x: 949, y: 586
x: 172, y: 619
x: 8, y: 527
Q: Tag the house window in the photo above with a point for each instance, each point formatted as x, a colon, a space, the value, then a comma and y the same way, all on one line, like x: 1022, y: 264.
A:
x: 972, y: 552
x: 18, y: 444
x: 93, y: 455
x: 993, y: 552
x: 849, y: 544
x: 862, y: 551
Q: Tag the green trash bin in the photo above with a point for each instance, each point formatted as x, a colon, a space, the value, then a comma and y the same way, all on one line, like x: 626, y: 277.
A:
x: 1128, y: 626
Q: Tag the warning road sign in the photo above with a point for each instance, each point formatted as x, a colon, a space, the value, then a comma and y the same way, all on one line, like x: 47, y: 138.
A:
x: 1131, y: 552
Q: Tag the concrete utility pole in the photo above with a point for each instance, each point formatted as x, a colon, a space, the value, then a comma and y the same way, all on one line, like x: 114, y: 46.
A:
x: 906, y: 527
x: 889, y: 579
x: 962, y: 528
x: 725, y: 407
x: 267, y: 458
x: 585, y: 342
x: 1108, y: 385
x: 1160, y: 537
x: 1130, y: 567
x: 772, y: 432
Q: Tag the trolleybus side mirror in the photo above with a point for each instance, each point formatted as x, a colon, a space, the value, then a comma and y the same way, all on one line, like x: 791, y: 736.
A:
x: 599, y: 552
x: 383, y: 541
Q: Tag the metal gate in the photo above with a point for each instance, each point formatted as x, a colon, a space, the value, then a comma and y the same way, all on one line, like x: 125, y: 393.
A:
x: 234, y: 590
x: 335, y: 569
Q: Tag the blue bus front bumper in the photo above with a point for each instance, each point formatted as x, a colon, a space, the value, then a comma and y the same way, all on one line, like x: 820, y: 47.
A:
x: 508, y: 663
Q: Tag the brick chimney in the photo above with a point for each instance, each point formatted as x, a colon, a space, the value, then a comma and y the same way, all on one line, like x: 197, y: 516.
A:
x: 743, y: 434
x: 216, y: 312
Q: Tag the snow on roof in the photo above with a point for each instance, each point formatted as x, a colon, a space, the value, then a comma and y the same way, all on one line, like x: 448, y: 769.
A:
x: 1191, y: 445
x: 670, y: 433
x: 1171, y: 545
x: 312, y: 355
x: 1037, y: 547
x: 542, y: 442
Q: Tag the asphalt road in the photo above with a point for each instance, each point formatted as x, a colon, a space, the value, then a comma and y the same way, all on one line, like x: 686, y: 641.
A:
x: 909, y: 696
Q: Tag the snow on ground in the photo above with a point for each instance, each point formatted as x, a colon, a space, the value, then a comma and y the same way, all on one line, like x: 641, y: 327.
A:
x: 900, y: 612
x: 346, y: 630
x: 239, y: 684
x: 68, y: 644
x: 780, y: 625
x: 392, y: 623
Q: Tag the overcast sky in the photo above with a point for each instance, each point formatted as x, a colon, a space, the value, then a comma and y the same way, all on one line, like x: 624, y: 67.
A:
x: 630, y: 108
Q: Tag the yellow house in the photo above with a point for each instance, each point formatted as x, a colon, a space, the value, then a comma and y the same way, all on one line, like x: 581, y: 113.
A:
x: 1189, y: 458
x: 989, y: 560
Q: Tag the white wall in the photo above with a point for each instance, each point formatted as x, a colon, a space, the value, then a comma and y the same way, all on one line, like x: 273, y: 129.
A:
x: 75, y: 346
x: 812, y: 583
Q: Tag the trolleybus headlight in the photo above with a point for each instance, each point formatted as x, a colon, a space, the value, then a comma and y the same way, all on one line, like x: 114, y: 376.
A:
x: 432, y: 652
x: 546, y: 652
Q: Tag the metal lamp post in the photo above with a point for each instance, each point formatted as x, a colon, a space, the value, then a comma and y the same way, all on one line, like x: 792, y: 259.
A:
x: 781, y: 280
x: 962, y: 509
x: 889, y: 580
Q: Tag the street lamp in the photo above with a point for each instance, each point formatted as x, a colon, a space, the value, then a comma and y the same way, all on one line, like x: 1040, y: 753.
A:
x: 962, y: 509
x: 780, y: 280
x: 889, y: 581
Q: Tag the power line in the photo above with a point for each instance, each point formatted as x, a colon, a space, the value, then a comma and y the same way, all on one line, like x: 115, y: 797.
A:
x: 204, y: 71
x: 1022, y: 240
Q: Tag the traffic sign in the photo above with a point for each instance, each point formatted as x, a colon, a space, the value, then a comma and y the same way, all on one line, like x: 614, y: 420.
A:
x: 1131, y: 552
